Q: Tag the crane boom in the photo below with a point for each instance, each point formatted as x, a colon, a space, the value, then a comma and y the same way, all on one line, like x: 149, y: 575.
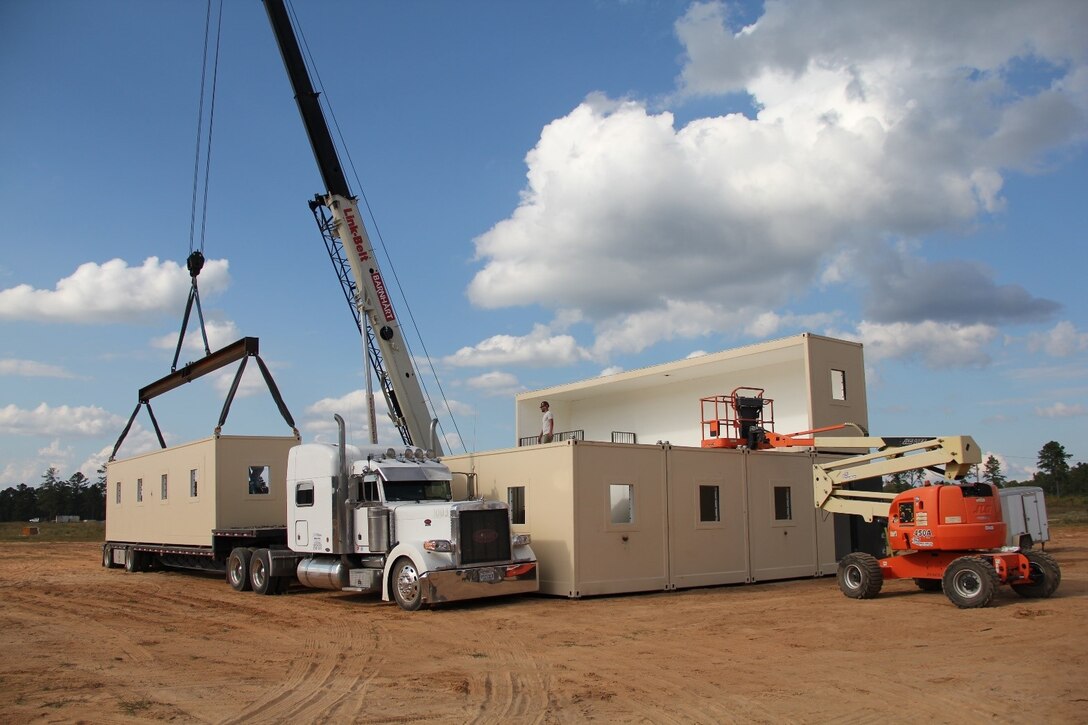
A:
x: 346, y: 238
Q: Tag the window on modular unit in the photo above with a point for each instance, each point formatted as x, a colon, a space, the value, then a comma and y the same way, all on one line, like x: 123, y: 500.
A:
x: 838, y: 384
x: 783, y: 503
x: 709, y: 504
x: 118, y: 494
x: 515, y: 497
x: 192, y: 483
x: 162, y: 484
x: 621, y: 502
x: 139, y: 490
x: 304, y: 493
x: 258, y: 480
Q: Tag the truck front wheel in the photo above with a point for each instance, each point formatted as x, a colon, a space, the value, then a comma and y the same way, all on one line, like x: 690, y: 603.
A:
x: 407, y: 589
x: 238, y: 569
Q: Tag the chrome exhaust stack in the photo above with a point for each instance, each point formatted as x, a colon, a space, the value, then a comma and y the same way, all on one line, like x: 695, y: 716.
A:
x: 342, y: 523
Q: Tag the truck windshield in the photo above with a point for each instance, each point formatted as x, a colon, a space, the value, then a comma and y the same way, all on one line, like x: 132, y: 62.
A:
x: 418, y: 491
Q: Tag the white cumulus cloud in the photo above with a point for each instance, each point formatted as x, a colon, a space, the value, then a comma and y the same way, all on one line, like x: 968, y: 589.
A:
x: 112, y: 292
x: 62, y: 420
x: 352, y: 407
x: 1063, y: 340
x: 32, y: 369
x: 936, y: 344
x: 496, y: 383
x: 220, y: 333
x: 1061, y: 410
x: 873, y: 123
x: 539, y: 348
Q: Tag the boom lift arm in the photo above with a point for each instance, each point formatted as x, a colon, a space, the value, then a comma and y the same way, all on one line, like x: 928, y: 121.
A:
x: 341, y: 224
x: 951, y: 456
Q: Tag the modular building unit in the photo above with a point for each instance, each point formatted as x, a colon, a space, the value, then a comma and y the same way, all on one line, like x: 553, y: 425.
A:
x: 815, y: 381
x: 614, y: 518
x: 177, y: 496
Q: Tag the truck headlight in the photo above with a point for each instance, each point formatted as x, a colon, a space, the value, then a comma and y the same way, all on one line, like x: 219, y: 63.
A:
x: 521, y: 539
x: 437, y: 545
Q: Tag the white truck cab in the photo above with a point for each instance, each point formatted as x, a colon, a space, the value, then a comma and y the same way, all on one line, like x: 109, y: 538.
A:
x: 385, y: 520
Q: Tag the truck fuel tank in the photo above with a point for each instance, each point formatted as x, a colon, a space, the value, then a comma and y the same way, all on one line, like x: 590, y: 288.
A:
x: 324, y: 573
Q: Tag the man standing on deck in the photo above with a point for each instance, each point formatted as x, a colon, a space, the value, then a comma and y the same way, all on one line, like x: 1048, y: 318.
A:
x: 547, y: 426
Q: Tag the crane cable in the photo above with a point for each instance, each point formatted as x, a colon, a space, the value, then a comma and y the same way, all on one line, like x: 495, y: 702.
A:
x: 200, y: 127
x: 377, y: 232
x: 195, y: 261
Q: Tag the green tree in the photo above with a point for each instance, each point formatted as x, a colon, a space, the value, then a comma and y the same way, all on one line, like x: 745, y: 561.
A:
x: 1053, y: 468
x: 991, y: 472
x: 51, y: 494
x: 1078, y: 479
x: 896, y: 483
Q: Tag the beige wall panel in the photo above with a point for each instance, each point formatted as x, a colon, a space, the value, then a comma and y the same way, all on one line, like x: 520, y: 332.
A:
x: 546, y: 472
x: 221, y: 500
x: 782, y: 525
x: 704, y: 553
x: 613, y: 557
x: 825, y: 355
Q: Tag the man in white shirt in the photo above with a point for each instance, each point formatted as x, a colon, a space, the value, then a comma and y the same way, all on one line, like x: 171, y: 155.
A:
x: 547, y: 426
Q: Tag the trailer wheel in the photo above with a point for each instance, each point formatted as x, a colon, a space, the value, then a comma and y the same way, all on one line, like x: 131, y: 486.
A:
x: 970, y: 582
x: 406, y: 586
x: 860, y: 576
x: 107, y: 557
x: 1045, y: 574
x: 260, y: 572
x: 132, y: 560
x: 238, y: 569
x: 928, y: 585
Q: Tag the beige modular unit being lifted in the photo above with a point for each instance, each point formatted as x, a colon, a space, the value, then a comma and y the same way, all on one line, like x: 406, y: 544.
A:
x: 815, y: 381
x: 177, y: 496
x: 613, y: 518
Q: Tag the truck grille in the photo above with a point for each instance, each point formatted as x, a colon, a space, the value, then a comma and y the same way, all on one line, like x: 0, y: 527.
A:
x: 484, y: 536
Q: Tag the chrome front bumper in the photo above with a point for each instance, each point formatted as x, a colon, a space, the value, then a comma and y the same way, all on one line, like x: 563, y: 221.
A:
x: 477, y: 582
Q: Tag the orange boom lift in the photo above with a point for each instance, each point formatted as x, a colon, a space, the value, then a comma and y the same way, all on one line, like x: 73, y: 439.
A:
x: 948, y: 535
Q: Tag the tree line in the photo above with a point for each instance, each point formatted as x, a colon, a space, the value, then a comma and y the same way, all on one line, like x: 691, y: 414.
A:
x: 1054, y: 474
x: 55, y: 496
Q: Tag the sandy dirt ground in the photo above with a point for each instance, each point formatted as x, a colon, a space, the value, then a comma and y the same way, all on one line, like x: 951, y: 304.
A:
x: 79, y: 643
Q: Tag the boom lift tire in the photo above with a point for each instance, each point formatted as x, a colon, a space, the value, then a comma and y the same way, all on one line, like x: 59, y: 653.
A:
x: 407, y: 589
x: 928, y: 585
x: 238, y: 569
x: 970, y: 582
x: 860, y: 576
x: 1045, y: 573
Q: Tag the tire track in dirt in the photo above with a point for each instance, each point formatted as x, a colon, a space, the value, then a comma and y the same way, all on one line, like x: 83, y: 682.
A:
x: 515, y: 685
x: 331, y: 673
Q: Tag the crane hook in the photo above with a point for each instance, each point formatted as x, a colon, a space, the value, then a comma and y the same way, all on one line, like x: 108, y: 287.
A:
x: 195, y: 262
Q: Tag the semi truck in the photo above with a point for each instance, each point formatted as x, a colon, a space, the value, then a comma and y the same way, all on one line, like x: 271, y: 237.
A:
x: 271, y: 511
x: 381, y: 521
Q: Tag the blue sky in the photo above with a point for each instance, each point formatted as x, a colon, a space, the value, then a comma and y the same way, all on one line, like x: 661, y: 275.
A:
x: 562, y: 189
